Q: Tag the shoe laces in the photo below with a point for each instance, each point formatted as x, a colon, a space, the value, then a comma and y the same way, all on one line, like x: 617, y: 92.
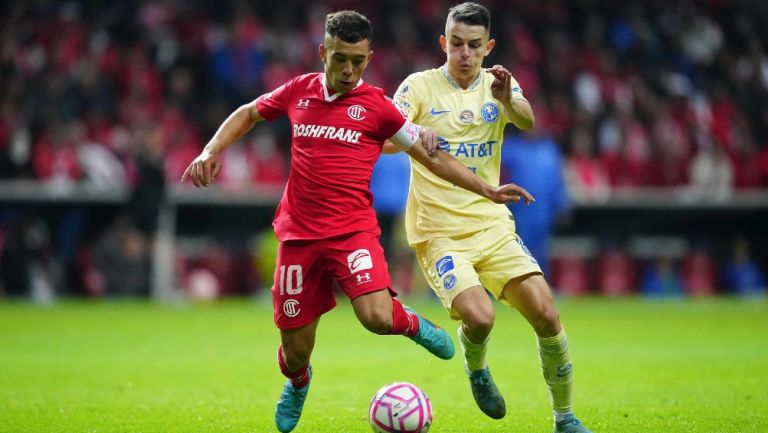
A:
x: 292, y: 398
x: 482, y: 379
x: 573, y: 421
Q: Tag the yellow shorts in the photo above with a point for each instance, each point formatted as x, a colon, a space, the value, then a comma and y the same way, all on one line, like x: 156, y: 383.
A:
x: 490, y: 258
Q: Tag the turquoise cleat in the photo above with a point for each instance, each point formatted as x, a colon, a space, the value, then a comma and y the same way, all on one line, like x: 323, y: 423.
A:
x: 432, y: 337
x: 571, y: 425
x: 290, y: 405
x: 487, y: 395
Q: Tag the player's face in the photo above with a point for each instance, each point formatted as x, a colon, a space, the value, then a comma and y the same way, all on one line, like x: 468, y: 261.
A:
x: 344, y: 62
x: 465, y: 46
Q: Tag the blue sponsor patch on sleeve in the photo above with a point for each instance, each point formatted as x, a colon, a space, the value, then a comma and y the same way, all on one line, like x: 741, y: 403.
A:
x: 444, y: 265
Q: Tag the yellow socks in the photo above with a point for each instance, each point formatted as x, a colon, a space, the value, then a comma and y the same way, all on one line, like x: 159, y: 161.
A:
x: 474, y: 353
x: 558, y: 371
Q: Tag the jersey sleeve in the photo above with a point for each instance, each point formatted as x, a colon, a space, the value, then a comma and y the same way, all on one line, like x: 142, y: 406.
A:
x: 392, y: 119
x: 407, y: 98
x: 271, y: 105
x: 517, y: 91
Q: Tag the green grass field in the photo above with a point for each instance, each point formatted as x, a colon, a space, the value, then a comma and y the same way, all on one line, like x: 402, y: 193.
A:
x: 641, y: 366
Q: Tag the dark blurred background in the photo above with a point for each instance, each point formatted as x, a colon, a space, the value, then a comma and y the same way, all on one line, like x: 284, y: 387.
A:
x: 649, y: 158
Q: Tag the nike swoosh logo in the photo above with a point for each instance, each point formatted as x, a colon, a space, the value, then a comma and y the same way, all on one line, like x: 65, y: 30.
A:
x: 435, y: 112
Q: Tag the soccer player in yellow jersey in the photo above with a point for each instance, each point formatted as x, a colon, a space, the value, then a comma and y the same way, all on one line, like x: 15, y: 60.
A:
x: 466, y: 244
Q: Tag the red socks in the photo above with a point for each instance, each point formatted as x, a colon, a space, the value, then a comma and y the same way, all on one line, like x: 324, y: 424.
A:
x: 403, y: 322
x: 299, y: 378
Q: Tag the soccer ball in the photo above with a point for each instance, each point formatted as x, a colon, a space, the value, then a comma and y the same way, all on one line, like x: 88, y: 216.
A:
x: 400, y: 407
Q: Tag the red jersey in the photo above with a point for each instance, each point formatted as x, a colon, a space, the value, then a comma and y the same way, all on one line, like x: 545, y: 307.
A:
x: 336, y: 142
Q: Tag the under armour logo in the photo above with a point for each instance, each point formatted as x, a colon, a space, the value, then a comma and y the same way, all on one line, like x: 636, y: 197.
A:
x: 363, y: 278
x: 303, y: 103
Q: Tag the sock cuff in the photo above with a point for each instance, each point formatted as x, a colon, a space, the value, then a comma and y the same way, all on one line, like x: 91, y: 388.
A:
x: 556, y: 340
x: 468, y: 343
x: 403, y: 322
x: 563, y: 416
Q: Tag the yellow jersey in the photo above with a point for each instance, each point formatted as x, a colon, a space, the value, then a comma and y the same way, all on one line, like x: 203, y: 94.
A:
x: 470, y: 123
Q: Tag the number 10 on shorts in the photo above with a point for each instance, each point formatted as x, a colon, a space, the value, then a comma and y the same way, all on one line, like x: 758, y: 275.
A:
x: 292, y: 282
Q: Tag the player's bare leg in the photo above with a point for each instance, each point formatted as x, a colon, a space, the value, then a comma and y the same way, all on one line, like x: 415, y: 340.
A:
x: 381, y: 314
x: 293, y: 356
x: 477, y: 315
x: 531, y: 295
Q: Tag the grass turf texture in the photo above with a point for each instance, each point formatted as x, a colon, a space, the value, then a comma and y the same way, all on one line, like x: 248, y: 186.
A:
x: 641, y: 366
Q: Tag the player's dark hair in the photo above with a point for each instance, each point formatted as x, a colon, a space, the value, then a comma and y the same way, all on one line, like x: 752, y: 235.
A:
x: 470, y: 13
x: 349, y: 26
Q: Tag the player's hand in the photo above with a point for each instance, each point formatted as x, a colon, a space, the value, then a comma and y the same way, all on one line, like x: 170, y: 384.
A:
x: 511, y: 193
x: 501, y: 87
x: 204, y: 169
x: 428, y: 140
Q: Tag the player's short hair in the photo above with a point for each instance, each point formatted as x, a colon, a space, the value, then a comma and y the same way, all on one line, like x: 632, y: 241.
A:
x: 349, y: 26
x: 470, y: 13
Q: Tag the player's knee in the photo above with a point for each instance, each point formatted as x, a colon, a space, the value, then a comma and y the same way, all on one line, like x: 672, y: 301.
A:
x: 378, y: 322
x: 480, y: 322
x: 547, y: 320
x: 296, y: 357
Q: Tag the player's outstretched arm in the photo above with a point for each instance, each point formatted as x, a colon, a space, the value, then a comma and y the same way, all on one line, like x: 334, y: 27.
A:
x: 206, y: 167
x: 447, y: 167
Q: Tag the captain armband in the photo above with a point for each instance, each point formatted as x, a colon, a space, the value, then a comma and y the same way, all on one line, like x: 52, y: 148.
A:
x: 406, y: 136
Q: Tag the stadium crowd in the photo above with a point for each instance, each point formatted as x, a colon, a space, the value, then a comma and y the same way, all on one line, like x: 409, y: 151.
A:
x: 636, y: 94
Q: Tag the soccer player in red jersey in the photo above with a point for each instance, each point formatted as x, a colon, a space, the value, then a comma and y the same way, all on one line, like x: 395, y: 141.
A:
x: 325, y: 222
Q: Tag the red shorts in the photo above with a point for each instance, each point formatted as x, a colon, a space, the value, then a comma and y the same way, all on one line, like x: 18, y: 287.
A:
x: 306, y: 270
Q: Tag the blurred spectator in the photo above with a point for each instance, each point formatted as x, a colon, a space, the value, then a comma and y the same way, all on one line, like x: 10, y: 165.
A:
x: 624, y: 150
x: 750, y: 168
x: 210, y: 268
x: 571, y: 275
x: 532, y: 160
x: 55, y: 158
x: 148, y: 193
x: 669, y: 165
x: 217, y: 266
x: 101, y: 168
x: 711, y: 174
x: 27, y: 268
x: 258, y: 161
x: 661, y: 278
x: 15, y: 142
x: 699, y: 272
x: 120, y: 261
x: 741, y: 273
x: 615, y: 272
x: 389, y: 185
x: 586, y: 178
